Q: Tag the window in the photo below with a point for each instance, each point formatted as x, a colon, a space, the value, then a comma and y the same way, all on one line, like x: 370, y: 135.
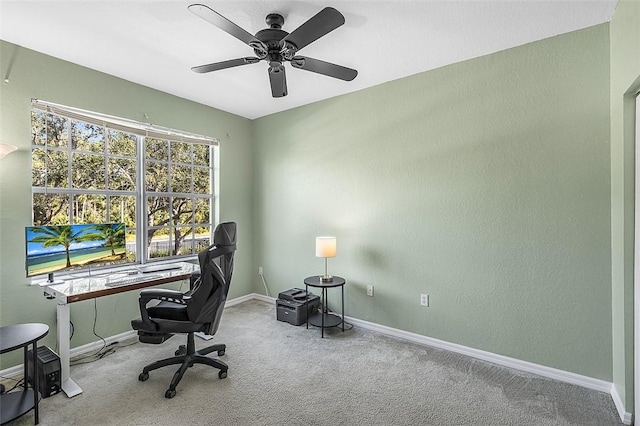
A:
x: 88, y: 168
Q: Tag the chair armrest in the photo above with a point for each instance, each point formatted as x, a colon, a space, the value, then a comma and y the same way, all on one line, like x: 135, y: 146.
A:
x: 150, y: 294
x: 161, y: 294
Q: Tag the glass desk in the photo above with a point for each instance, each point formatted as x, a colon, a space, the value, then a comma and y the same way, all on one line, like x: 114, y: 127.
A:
x: 119, y: 281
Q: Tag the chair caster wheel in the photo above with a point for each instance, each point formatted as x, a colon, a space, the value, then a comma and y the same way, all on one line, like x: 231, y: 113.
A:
x: 222, y: 374
x: 221, y: 352
x: 170, y: 393
x: 182, y: 350
x: 143, y: 377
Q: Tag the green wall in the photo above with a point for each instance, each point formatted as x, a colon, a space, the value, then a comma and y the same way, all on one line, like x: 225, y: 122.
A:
x: 485, y: 184
x: 33, y: 75
x: 489, y: 184
x: 625, y: 82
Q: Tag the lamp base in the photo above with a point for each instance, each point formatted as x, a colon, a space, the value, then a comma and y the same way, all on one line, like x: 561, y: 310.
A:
x: 326, y: 278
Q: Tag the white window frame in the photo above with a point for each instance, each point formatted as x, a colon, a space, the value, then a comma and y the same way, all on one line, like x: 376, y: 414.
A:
x: 141, y: 131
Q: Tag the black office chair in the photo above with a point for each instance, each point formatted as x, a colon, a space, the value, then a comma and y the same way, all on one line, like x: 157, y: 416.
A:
x: 198, y: 310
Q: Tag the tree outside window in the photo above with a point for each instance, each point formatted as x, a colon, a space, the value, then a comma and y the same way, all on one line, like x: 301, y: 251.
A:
x: 83, y: 172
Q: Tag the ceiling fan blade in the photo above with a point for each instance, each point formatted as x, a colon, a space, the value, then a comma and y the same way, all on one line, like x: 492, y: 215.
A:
x: 325, y: 68
x: 225, y: 64
x: 213, y: 17
x: 322, y: 23
x: 278, y: 80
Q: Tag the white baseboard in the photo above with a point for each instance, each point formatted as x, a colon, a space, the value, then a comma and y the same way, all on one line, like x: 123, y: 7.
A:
x: 627, y: 418
x: 541, y: 370
x: 18, y: 370
x: 238, y: 300
x: 530, y: 367
x: 262, y: 297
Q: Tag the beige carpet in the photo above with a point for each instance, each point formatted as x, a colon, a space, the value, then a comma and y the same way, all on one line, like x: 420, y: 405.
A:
x: 280, y: 374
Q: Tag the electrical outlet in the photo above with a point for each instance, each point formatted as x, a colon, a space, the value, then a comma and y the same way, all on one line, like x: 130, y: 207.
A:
x: 424, y: 299
x: 369, y: 290
x: 260, y: 270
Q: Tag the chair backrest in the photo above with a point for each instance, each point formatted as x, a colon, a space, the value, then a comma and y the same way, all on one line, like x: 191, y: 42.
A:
x: 209, y: 292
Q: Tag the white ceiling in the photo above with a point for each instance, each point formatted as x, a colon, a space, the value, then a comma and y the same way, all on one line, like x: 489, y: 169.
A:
x: 155, y: 43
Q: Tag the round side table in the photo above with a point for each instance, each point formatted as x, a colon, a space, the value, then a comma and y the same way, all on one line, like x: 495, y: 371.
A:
x: 12, y: 337
x: 324, y: 319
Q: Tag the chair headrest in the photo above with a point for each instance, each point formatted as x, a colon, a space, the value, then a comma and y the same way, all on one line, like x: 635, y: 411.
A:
x: 225, y: 234
x: 224, y: 242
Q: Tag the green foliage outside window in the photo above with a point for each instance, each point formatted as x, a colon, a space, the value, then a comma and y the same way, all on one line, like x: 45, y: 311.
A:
x: 88, y: 173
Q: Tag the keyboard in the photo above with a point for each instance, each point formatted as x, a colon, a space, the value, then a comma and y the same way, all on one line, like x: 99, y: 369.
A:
x: 145, y: 269
x: 133, y: 279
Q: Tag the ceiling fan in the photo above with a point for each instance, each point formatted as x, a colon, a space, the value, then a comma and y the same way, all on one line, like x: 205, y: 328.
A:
x: 277, y: 46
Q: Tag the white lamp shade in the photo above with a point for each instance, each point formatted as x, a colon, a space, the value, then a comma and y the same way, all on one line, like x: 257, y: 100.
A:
x: 6, y: 149
x: 326, y: 247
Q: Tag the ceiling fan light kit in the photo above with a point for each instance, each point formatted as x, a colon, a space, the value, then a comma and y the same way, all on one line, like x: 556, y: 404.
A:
x: 276, y: 46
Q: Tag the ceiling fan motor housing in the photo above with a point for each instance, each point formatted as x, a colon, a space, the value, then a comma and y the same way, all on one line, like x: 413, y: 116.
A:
x: 276, y: 46
x: 271, y: 37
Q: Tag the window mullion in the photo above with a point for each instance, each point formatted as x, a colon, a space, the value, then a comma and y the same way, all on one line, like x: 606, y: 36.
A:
x: 70, y: 170
x: 141, y: 201
x: 106, y: 173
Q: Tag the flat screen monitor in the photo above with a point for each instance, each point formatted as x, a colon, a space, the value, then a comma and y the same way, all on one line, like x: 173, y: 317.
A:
x: 57, y: 248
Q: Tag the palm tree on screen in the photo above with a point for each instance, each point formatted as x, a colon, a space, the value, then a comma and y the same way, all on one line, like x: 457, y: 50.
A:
x: 112, y: 233
x: 62, y: 235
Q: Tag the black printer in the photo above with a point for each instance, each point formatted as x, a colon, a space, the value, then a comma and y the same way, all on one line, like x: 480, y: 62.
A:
x: 290, y: 306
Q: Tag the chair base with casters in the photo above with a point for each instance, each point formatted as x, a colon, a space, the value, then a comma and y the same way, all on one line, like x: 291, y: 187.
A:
x: 187, y: 356
x: 197, y: 310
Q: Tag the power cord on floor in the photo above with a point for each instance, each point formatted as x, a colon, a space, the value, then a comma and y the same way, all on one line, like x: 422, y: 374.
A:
x: 104, y: 342
x: 261, y: 273
x: 18, y: 383
x: 105, y: 350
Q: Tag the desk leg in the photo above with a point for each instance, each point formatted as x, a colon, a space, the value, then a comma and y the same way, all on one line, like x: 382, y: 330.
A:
x: 68, y: 385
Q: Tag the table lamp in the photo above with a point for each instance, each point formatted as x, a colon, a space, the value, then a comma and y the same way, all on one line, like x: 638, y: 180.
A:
x: 326, y: 247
